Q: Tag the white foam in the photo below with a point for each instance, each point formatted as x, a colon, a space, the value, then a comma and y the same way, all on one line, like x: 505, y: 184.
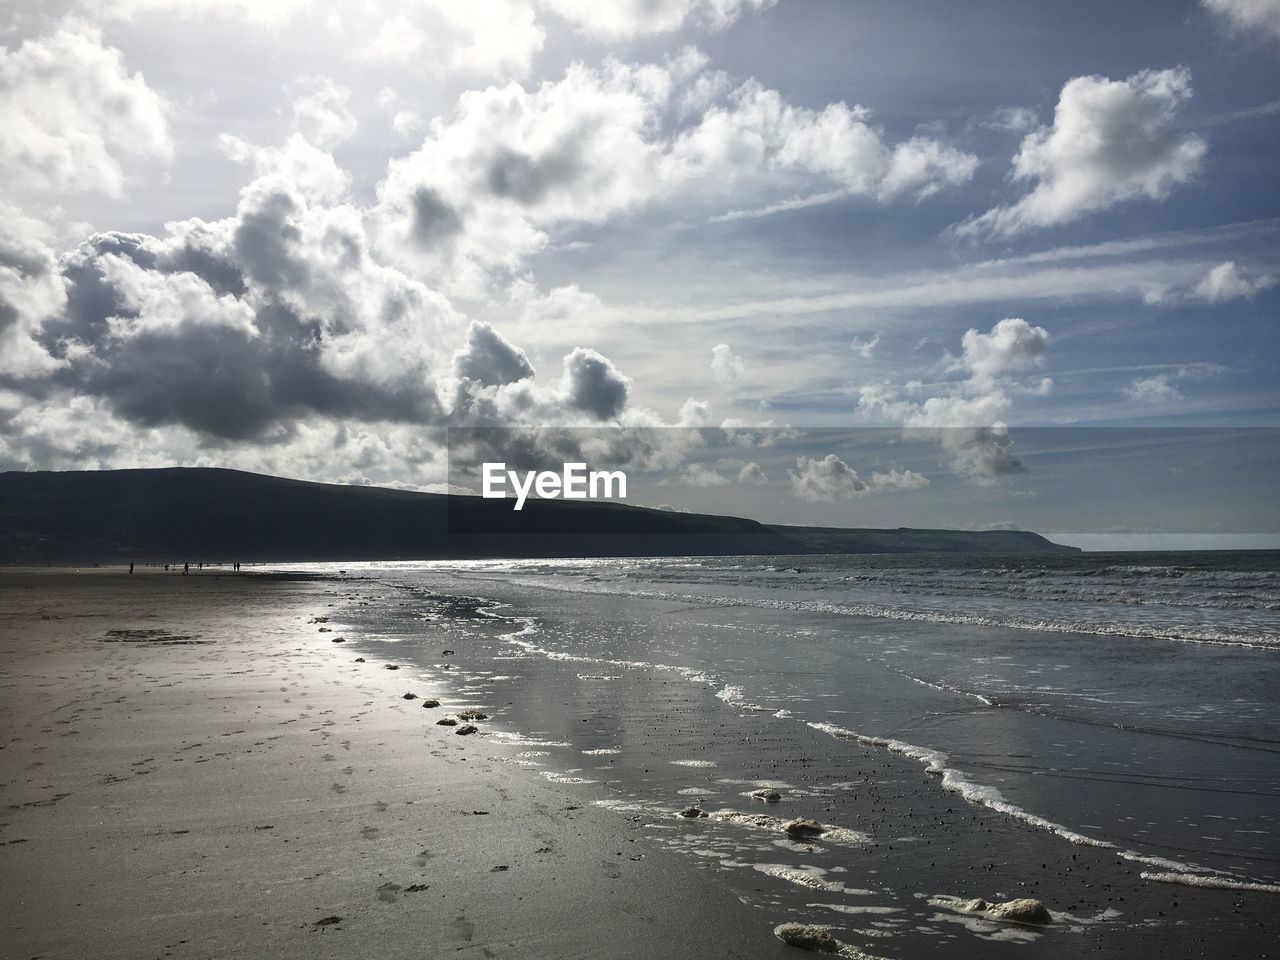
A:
x: 1213, y: 883
x: 805, y: 878
x: 693, y: 763
x: 735, y: 696
x: 853, y: 908
x: 831, y: 833
x: 956, y: 780
x: 935, y: 762
x: 601, y: 752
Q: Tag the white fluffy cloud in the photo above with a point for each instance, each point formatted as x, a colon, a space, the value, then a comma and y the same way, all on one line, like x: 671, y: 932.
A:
x: 825, y: 480
x: 489, y: 183
x: 897, y: 479
x: 259, y: 12
x: 829, y: 478
x: 1153, y: 391
x: 1249, y: 14
x: 1227, y: 281
x: 1013, y: 345
x: 1111, y: 141
x: 755, y: 132
x: 726, y: 366
x: 31, y: 291
x: 700, y: 475
x: 71, y: 114
x: 320, y: 112
x: 967, y: 418
x: 491, y: 35
x: 619, y: 19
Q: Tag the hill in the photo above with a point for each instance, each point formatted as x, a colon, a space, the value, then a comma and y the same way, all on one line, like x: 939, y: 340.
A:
x: 216, y: 515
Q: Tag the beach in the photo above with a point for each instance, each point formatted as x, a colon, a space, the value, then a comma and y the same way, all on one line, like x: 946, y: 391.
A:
x: 235, y: 784
x: 668, y: 759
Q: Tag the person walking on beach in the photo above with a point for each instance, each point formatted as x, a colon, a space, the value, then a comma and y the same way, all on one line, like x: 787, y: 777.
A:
x: 186, y: 568
x: 130, y: 568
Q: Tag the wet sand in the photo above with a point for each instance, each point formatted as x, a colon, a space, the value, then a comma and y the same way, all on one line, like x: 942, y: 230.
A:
x: 217, y: 777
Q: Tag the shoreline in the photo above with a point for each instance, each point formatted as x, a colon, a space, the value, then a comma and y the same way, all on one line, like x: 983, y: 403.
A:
x: 228, y: 784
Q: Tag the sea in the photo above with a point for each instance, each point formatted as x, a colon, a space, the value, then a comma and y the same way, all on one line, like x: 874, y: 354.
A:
x: 1098, y: 731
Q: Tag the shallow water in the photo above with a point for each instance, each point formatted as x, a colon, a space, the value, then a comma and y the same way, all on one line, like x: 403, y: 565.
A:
x: 974, y: 727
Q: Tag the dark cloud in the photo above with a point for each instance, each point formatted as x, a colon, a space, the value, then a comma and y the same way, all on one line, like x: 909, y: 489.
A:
x: 489, y: 359
x: 982, y: 452
x: 162, y: 345
x: 526, y: 179
x: 434, y: 219
x: 265, y: 241
x: 594, y: 385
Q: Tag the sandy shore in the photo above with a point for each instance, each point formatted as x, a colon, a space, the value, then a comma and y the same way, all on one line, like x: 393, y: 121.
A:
x: 235, y: 784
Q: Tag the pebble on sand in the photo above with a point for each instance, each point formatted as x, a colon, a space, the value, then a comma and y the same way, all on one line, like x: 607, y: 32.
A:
x: 446, y: 653
x: 472, y: 715
x: 446, y: 722
x: 339, y: 639
x: 803, y: 827
x: 693, y: 813
x: 359, y: 659
x: 392, y: 666
x: 1026, y: 910
x: 807, y: 937
x: 409, y: 696
x: 767, y: 794
x: 466, y: 728
x: 431, y: 702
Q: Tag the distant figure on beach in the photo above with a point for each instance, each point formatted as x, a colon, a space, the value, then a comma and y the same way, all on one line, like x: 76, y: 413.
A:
x: 166, y: 568
x: 186, y: 568
x: 131, y: 567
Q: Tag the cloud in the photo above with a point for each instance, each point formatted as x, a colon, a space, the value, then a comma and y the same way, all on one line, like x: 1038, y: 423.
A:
x: 967, y: 419
x: 621, y: 19
x: 257, y: 12
x: 398, y: 40
x: 243, y: 328
x: 756, y: 131
x: 1248, y: 14
x: 899, y: 480
x: 1013, y: 119
x: 1012, y: 345
x: 726, y: 367
x: 490, y: 36
x: 489, y: 183
x: 73, y: 115
x: 320, y: 113
x: 698, y: 475
x: 752, y: 473
x: 1227, y: 281
x: 1111, y: 141
x: 825, y: 480
x: 31, y: 291
x: 594, y: 385
x: 489, y: 359
x: 864, y: 346
x: 1153, y: 391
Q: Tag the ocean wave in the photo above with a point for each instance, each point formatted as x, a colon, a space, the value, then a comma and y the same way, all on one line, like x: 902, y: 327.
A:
x: 987, y: 796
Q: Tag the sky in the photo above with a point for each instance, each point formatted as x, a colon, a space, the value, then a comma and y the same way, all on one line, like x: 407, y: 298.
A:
x: 312, y: 238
